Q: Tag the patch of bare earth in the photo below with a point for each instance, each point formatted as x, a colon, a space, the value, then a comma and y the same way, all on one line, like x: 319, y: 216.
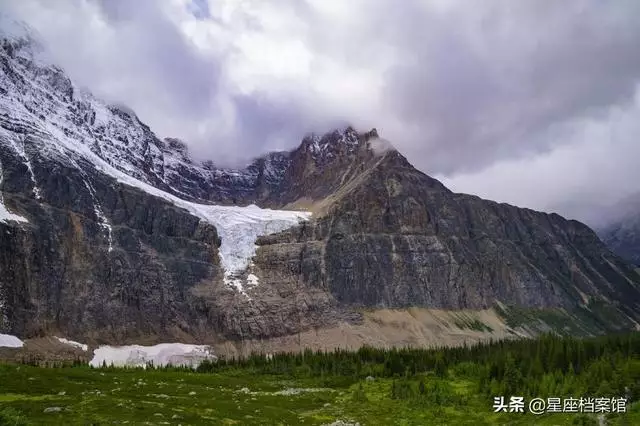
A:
x: 413, y: 327
x: 42, y: 350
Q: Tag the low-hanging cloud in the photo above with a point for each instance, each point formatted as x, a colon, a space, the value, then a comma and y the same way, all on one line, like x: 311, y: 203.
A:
x: 501, y: 98
x: 380, y: 146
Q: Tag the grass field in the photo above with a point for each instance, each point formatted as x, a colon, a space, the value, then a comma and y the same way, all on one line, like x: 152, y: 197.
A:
x: 84, y: 396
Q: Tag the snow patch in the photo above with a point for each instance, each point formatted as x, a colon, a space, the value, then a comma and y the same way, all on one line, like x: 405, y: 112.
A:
x: 176, y: 354
x: 72, y: 343
x: 235, y: 283
x: 103, y: 114
x: 9, y: 341
x: 231, y: 279
x: 6, y: 215
x: 252, y: 279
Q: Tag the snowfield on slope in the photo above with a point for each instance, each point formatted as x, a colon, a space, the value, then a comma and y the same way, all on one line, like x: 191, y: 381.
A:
x: 9, y: 341
x: 177, y: 354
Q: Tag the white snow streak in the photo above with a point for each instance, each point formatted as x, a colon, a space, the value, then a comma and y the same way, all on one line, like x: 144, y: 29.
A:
x: 104, y: 222
x: 19, y: 147
x: 72, y: 343
x: 177, y: 354
x: 235, y: 281
x: 9, y: 341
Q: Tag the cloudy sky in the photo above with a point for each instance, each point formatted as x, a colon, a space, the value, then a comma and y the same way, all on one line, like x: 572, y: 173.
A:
x: 532, y: 102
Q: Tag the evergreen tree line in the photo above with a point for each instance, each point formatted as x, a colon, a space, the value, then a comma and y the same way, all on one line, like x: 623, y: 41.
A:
x: 531, y: 357
x: 548, y: 366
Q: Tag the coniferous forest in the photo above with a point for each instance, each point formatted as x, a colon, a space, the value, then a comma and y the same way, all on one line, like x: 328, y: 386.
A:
x: 547, y: 366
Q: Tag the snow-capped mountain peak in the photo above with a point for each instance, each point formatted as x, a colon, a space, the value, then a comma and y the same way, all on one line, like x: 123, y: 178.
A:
x: 324, y: 148
x: 40, y: 105
x: 23, y: 43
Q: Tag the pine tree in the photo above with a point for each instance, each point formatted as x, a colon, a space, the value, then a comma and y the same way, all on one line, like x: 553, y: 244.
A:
x: 359, y: 394
x: 440, y: 368
x: 512, y: 378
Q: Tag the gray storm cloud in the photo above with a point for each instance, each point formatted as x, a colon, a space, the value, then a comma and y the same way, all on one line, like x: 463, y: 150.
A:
x: 500, y: 98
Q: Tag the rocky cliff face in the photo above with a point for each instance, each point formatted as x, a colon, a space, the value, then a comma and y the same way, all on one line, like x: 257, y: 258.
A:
x: 95, y: 258
x: 394, y: 237
x: 105, y: 234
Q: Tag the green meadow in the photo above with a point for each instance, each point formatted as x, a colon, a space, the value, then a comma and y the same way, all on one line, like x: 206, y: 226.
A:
x: 371, y: 387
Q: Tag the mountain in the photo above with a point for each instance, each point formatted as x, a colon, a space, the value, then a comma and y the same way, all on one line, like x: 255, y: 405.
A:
x: 623, y: 238
x: 622, y: 232
x: 109, y: 234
